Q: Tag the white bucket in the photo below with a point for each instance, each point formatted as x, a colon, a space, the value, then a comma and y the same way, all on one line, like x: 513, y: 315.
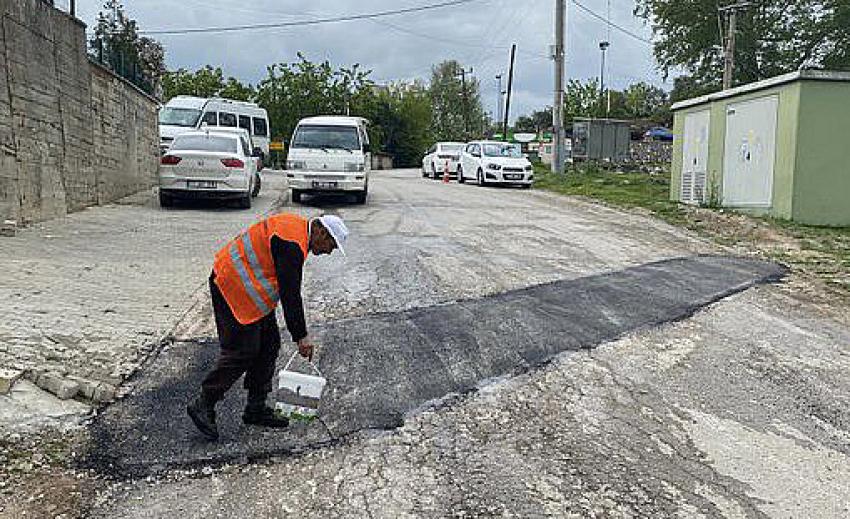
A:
x: 299, y: 394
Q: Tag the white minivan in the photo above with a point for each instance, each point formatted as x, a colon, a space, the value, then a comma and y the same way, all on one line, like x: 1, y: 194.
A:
x: 329, y: 154
x: 184, y: 113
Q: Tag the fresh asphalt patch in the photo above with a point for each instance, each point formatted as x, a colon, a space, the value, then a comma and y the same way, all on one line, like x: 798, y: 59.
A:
x: 383, y: 366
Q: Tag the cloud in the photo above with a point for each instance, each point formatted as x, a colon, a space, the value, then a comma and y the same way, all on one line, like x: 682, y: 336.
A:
x: 478, y: 34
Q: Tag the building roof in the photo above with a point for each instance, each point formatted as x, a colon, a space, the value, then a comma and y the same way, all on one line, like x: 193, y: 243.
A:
x: 816, y: 75
x: 600, y: 119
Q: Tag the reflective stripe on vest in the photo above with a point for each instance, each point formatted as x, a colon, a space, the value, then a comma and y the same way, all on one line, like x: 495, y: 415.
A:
x: 245, y: 277
x: 245, y: 270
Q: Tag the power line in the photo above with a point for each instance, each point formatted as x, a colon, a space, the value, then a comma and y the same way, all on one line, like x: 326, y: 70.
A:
x: 611, y: 24
x: 301, y: 23
x: 450, y: 41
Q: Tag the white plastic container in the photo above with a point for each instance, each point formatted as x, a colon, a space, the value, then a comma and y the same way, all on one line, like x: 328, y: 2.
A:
x: 299, y: 393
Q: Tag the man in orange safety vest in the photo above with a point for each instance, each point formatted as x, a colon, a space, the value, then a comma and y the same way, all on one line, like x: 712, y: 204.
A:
x: 251, y: 274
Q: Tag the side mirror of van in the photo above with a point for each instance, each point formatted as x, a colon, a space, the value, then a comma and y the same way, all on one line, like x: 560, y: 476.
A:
x: 367, y: 148
x: 257, y: 152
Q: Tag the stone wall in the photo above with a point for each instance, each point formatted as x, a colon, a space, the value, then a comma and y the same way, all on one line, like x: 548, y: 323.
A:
x: 650, y: 152
x: 72, y: 134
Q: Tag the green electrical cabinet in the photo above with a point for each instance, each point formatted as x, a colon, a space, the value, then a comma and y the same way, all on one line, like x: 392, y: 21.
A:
x: 778, y: 147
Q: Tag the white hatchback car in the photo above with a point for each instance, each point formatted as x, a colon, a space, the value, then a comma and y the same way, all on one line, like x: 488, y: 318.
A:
x: 201, y: 164
x: 494, y: 162
x: 442, y: 157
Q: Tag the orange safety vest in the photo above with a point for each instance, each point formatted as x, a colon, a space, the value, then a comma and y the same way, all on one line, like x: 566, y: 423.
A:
x: 245, y: 271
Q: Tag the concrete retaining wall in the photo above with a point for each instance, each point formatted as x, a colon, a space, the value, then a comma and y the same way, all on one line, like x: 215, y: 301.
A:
x: 72, y: 134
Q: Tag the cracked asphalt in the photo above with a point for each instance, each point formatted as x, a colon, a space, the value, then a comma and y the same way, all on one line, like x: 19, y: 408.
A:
x: 721, y: 398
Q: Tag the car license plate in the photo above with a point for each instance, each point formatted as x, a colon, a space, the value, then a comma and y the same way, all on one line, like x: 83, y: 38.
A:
x: 324, y: 185
x: 200, y: 184
x: 513, y: 177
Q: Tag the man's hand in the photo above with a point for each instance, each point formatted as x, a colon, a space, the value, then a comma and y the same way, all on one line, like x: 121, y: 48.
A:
x: 305, y: 348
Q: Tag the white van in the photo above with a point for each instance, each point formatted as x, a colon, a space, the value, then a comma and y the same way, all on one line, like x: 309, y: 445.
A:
x: 184, y: 113
x: 329, y: 154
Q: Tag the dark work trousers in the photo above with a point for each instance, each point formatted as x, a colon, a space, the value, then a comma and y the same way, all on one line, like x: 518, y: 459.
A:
x: 250, y: 349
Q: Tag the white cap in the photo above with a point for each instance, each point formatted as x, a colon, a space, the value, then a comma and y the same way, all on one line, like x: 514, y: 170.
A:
x: 337, y: 229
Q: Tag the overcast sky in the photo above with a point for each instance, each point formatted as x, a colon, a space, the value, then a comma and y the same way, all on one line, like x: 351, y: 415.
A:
x: 405, y: 46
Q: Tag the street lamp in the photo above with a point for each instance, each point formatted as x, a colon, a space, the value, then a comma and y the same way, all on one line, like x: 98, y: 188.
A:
x: 603, y: 46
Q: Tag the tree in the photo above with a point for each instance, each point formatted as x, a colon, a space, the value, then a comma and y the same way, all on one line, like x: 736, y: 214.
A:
x: 581, y: 99
x: 205, y: 82
x: 457, y: 113
x: 536, y: 122
x: 688, y: 87
x: 644, y: 101
x: 773, y: 37
x: 116, y: 44
x: 292, y: 91
x: 400, y: 114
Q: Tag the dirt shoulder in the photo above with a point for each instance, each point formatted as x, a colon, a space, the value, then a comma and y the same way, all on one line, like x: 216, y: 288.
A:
x: 819, y: 257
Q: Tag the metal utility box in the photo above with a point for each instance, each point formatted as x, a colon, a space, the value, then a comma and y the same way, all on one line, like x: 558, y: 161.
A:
x: 777, y: 147
x: 601, y: 139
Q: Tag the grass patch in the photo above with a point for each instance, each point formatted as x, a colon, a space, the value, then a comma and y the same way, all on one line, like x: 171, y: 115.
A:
x: 823, y: 252
x: 627, y: 190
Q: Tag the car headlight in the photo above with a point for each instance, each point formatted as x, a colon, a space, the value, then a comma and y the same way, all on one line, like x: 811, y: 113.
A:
x: 495, y: 167
x: 528, y: 168
x: 296, y: 164
x: 354, y: 166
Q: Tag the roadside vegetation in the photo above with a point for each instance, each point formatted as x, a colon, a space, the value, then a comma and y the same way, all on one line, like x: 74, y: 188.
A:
x: 819, y: 252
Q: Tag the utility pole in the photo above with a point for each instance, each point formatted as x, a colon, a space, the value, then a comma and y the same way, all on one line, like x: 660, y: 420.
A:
x: 729, y: 50
x: 463, y: 93
x: 558, y: 105
x: 510, y: 86
x: 608, y: 38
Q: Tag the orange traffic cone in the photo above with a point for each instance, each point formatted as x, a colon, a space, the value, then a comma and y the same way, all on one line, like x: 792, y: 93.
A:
x: 446, y: 173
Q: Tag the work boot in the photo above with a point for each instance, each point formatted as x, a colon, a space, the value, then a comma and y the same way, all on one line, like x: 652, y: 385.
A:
x: 202, y: 413
x: 258, y: 413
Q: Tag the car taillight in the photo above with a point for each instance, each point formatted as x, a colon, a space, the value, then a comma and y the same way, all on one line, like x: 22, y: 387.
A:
x: 233, y: 163
x: 170, y: 160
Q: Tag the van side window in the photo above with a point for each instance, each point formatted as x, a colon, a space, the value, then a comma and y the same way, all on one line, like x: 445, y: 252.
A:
x: 226, y: 119
x: 245, y: 122
x: 210, y: 119
x: 245, y: 148
x: 261, y: 129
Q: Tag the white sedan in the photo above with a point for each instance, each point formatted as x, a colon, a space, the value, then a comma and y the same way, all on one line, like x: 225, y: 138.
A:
x: 442, y: 157
x: 202, y: 164
x: 494, y: 162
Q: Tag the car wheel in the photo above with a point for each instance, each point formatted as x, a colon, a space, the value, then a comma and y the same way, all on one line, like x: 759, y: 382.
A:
x: 481, y: 181
x: 360, y: 197
x: 460, y: 179
x: 257, y: 185
x: 245, y: 201
x: 296, y: 196
x: 165, y: 200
